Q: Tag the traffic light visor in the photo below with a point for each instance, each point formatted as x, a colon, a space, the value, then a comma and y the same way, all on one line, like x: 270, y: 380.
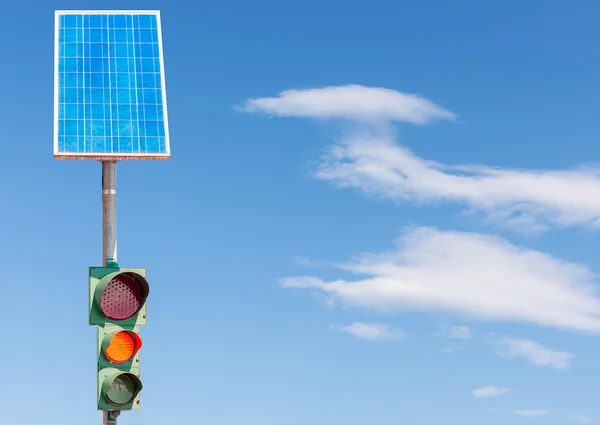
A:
x: 121, y: 346
x: 121, y: 295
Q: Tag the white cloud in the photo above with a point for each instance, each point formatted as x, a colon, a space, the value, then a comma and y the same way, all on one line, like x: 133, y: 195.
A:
x: 580, y: 418
x: 526, y: 199
x: 354, y: 102
x: 459, y: 332
x: 372, y: 331
x: 535, y: 353
x: 304, y: 261
x: 490, y: 391
x: 372, y: 162
x: 469, y: 274
x: 532, y: 413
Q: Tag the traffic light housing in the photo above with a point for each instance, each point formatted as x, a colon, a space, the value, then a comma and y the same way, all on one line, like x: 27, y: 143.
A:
x: 117, y: 306
x: 118, y: 295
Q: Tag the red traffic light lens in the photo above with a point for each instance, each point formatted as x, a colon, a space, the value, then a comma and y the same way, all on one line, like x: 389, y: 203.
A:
x: 122, y: 297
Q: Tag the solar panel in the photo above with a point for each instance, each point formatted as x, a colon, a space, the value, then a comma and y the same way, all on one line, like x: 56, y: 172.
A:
x: 109, y: 94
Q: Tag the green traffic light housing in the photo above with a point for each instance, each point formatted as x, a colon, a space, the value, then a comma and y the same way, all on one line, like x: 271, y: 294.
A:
x: 118, y: 295
x: 117, y: 306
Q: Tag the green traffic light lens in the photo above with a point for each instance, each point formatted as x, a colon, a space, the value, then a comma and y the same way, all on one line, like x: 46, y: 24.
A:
x: 122, y: 390
x: 119, y: 388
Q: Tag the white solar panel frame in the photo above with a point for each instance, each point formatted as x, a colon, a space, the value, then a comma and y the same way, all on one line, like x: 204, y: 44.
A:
x: 119, y: 155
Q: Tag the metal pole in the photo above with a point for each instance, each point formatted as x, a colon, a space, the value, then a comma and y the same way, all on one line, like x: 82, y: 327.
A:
x: 109, y: 239
x: 110, y: 418
x: 109, y: 213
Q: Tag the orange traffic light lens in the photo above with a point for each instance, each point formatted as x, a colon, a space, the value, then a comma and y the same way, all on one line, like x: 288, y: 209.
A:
x: 123, y: 346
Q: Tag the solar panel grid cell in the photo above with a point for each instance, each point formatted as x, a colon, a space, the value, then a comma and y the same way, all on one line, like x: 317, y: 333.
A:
x: 110, y: 86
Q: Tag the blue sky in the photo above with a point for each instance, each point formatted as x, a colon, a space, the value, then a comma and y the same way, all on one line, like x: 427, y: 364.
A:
x: 375, y: 213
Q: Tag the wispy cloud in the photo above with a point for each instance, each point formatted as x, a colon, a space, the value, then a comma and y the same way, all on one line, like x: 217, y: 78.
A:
x: 532, y: 413
x: 450, y: 350
x: 469, y: 274
x: 353, y: 102
x: 372, y: 331
x: 529, y: 200
x: 535, y: 353
x: 304, y: 261
x: 458, y: 332
x: 372, y: 161
x: 490, y: 391
x: 580, y: 418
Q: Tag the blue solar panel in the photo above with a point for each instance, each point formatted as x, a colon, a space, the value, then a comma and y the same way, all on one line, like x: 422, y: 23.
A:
x: 110, y: 100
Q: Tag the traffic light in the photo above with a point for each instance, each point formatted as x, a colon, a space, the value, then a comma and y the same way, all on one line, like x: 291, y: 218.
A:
x: 117, y: 306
